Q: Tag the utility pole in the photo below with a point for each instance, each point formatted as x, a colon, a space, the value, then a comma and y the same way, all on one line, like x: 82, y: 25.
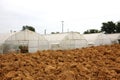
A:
x: 62, y: 25
x: 45, y: 31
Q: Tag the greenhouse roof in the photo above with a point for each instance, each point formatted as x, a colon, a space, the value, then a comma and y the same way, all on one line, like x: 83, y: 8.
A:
x: 114, y: 36
x: 4, y: 36
x: 55, y: 37
x: 26, y: 35
x: 61, y: 36
x: 91, y: 37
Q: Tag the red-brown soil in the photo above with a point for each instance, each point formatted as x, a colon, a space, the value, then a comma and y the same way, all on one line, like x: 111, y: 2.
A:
x: 93, y: 63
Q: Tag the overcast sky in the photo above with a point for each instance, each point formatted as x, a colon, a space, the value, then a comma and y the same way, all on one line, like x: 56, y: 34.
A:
x: 78, y: 15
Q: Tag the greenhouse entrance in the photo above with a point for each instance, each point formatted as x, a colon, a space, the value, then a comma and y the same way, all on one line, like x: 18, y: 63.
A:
x: 23, y: 46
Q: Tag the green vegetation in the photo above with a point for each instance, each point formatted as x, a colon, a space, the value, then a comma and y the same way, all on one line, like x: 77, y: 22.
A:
x: 91, y: 31
x: 29, y: 28
x: 107, y: 27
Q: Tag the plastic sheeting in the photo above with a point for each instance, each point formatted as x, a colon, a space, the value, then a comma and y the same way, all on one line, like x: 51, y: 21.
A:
x: 114, y: 37
x: 29, y: 40
x: 97, y: 39
x: 70, y: 40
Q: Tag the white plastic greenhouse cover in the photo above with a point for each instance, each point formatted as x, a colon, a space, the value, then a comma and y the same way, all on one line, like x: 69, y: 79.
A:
x: 97, y: 39
x: 55, y: 38
x: 73, y: 40
x: 33, y: 40
x: 69, y: 40
x: 3, y: 37
x: 114, y: 37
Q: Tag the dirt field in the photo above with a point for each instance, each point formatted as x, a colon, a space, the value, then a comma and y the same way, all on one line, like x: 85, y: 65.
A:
x: 93, y: 63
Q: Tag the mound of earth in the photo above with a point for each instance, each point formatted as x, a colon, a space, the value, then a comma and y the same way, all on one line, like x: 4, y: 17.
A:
x: 92, y: 63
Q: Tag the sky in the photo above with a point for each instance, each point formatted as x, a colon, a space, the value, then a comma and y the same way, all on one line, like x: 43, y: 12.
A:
x: 78, y: 15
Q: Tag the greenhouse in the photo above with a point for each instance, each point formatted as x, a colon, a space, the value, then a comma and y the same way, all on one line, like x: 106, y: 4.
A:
x: 115, y: 38
x: 69, y: 40
x: 3, y: 37
x: 25, y: 41
x: 28, y: 41
x: 97, y: 39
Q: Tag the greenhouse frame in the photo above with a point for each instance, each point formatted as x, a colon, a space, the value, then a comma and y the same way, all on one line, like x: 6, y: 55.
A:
x: 97, y: 39
x: 26, y: 42
x: 68, y: 40
x: 29, y: 42
x: 3, y: 37
x: 115, y: 38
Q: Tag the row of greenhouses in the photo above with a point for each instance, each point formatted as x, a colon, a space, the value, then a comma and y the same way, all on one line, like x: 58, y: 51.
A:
x: 28, y: 41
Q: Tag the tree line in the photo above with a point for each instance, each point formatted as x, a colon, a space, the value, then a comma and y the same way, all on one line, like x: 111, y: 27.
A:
x: 107, y: 28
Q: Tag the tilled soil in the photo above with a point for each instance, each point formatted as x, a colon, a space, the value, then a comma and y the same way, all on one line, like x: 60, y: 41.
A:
x: 93, y: 63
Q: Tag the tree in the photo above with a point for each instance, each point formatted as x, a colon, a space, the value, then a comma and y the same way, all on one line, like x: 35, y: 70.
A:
x: 91, y: 31
x: 118, y: 27
x: 108, y: 27
x: 55, y: 32
x: 29, y: 28
x: 52, y: 32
